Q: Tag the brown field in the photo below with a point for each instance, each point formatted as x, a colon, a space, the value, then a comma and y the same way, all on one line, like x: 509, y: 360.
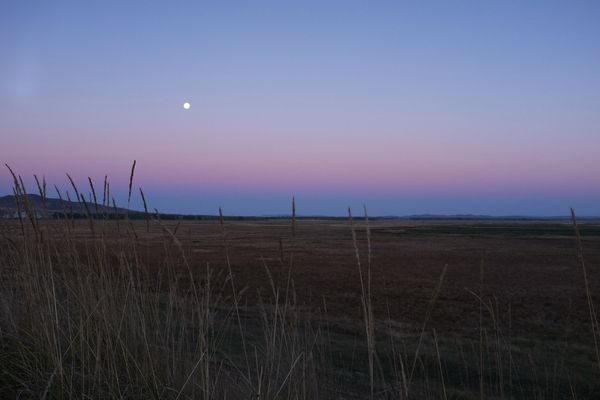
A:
x: 531, y: 267
x: 511, y: 285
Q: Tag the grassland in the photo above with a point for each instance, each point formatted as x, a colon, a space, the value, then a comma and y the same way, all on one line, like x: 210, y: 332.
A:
x: 287, y: 308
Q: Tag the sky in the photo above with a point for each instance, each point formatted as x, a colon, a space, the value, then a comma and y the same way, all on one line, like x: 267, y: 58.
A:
x: 437, y: 107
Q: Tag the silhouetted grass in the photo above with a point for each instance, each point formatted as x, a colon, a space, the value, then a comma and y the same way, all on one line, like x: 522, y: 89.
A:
x: 85, y: 318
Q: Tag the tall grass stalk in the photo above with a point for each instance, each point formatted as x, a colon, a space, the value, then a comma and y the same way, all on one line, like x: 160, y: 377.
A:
x: 590, y: 302
x: 366, y: 303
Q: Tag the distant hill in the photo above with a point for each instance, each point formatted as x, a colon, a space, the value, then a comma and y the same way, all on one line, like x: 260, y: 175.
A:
x: 8, y: 206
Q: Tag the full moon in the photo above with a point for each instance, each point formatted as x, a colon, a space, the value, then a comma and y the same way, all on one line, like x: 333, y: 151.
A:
x: 186, y: 106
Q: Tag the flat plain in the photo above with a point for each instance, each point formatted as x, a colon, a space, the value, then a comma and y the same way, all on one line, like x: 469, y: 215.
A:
x: 530, y: 266
x: 499, y: 306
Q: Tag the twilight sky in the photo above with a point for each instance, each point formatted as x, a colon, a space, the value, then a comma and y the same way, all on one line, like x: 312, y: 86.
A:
x: 442, y: 107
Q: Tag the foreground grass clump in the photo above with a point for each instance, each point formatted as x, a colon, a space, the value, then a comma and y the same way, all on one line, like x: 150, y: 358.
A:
x: 84, y: 314
x: 85, y: 318
x: 92, y: 320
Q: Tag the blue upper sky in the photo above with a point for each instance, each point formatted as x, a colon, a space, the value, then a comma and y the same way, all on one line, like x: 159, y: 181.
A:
x: 412, y: 107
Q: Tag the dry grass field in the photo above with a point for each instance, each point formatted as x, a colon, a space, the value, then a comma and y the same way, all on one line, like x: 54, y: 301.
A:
x: 274, y: 308
x: 531, y: 267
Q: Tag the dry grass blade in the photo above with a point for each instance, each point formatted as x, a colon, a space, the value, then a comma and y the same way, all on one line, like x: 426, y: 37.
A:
x: 89, y: 215
x: 14, y: 176
x: 93, y: 194
x: 70, y: 203
x: 19, y: 212
x: 17, y: 192
x: 74, y: 186
x: 190, y: 376
x: 291, y: 263
x: 366, y: 297
x: 293, y: 218
x: 590, y: 302
x: 425, y: 322
x: 116, y: 214
x: 63, y: 207
x: 41, y: 190
x: 30, y: 210
x: 130, y: 184
x: 439, y: 358
x: 147, y: 216
x: 236, y: 305
x: 105, y: 192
